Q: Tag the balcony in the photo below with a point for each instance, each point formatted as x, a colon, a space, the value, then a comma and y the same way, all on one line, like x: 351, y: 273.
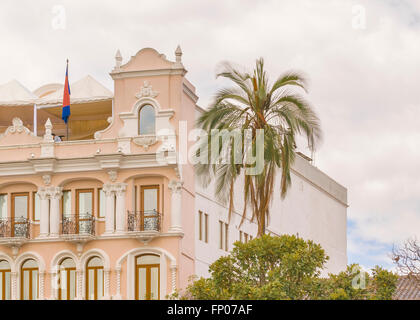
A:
x: 78, y: 228
x: 14, y: 231
x: 144, y: 225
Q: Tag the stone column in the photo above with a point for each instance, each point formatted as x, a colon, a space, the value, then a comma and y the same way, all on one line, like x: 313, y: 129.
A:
x: 106, y: 284
x: 55, y: 274
x: 41, y: 285
x: 44, y: 229
x: 79, y: 289
x: 13, y: 280
x: 55, y: 194
x: 120, y: 207
x: 176, y: 205
x: 108, y: 189
x: 173, y: 278
x: 118, y: 295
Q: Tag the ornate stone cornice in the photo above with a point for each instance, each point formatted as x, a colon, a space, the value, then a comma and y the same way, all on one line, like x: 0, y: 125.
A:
x: 93, y: 163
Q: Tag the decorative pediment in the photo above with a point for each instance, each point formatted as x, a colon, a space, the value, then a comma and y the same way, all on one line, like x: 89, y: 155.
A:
x: 147, y: 60
x: 17, y: 129
x: 147, y: 91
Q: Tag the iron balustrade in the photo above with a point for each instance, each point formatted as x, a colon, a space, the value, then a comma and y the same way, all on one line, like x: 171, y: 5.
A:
x: 15, y: 228
x: 82, y: 224
x: 144, y: 220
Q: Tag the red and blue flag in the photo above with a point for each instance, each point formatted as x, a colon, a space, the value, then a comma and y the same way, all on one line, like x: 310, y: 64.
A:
x: 66, y: 97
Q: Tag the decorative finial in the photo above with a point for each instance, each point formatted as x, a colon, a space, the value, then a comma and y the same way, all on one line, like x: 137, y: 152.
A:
x: 178, y: 55
x: 48, y: 131
x: 118, y: 60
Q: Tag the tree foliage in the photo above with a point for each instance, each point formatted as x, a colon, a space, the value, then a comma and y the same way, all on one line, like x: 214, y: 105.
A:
x: 251, y: 105
x: 283, y: 268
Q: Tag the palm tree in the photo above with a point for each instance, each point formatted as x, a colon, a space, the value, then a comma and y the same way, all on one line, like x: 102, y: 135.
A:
x: 250, y: 105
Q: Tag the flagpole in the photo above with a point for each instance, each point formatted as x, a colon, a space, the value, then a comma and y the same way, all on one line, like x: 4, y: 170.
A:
x: 67, y: 122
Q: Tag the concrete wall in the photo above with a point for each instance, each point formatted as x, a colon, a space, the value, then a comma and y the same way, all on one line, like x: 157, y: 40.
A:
x: 315, y: 208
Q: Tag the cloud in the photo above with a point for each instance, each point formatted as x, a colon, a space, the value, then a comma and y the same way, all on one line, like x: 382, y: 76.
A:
x: 364, y: 82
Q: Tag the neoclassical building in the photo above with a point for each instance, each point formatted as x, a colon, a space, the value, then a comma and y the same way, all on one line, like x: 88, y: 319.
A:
x: 112, y: 211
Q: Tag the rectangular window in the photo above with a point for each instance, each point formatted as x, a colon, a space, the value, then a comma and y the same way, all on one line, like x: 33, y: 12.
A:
x: 224, y: 231
x: 221, y: 235
x: 20, y: 205
x: 203, y: 226
x: 66, y: 203
x: 226, y: 236
x: 3, y: 206
x: 101, y: 203
x: 150, y: 199
x: 200, y: 225
x: 135, y: 199
x: 206, y: 228
x: 84, y: 202
x: 36, y: 206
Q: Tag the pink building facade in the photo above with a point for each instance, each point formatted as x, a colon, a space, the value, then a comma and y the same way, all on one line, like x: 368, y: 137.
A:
x: 102, y: 217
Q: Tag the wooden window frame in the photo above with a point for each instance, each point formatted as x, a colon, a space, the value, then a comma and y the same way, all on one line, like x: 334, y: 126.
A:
x: 7, y: 207
x: 145, y: 187
x: 148, y: 268
x: 78, y: 191
x: 33, y: 207
x: 62, y: 202
x: 12, y: 213
x: 22, y: 283
x: 135, y: 198
x: 98, y: 202
x: 3, y: 278
x: 95, y: 279
x: 67, y: 280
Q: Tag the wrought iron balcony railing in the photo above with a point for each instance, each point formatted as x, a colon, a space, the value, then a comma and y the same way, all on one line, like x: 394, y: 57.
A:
x: 15, y: 228
x: 82, y: 224
x: 144, y: 221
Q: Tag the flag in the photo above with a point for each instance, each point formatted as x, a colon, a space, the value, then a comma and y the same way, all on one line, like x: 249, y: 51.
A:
x: 66, y: 97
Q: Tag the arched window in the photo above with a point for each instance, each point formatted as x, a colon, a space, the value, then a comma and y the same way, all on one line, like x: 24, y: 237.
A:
x: 94, y: 279
x: 29, y: 280
x: 67, y: 280
x: 147, y: 277
x: 4, y: 280
x: 147, y: 120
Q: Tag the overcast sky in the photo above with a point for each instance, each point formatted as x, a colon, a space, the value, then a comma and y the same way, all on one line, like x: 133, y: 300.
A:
x: 362, y: 57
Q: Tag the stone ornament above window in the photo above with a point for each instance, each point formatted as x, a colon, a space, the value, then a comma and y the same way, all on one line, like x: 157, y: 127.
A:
x: 145, y: 141
x: 147, y: 91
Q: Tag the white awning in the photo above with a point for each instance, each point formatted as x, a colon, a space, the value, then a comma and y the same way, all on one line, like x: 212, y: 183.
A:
x: 85, y: 90
x: 14, y: 93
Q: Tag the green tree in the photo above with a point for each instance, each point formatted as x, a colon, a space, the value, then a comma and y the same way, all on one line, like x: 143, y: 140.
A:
x: 250, y: 105
x: 383, y: 284
x: 284, y: 267
x: 356, y: 284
